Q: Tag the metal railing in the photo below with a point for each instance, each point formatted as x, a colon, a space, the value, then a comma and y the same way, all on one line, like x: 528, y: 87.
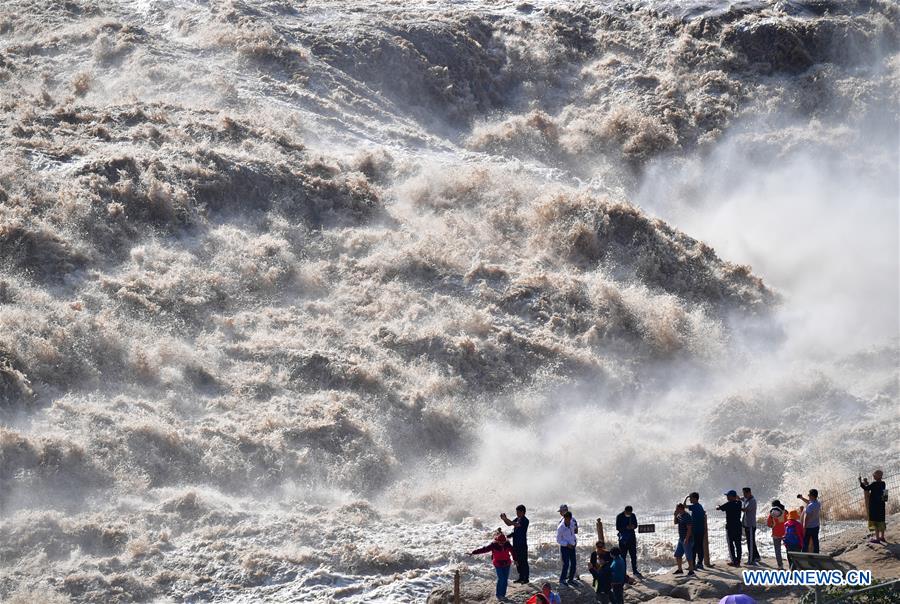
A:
x: 850, y: 503
x: 873, y: 590
x: 655, y: 547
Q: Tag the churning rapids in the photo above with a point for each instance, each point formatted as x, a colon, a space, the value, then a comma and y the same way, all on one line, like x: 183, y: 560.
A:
x: 293, y: 293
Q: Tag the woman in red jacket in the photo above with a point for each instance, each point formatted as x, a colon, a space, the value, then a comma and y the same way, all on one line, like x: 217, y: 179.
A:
x: 502, y: 556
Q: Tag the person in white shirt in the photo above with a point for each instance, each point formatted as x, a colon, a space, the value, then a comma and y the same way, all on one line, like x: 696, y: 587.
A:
x: 562, y: 511
x: 567, y: 540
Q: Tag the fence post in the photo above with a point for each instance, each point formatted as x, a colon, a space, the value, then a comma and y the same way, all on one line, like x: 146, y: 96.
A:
x: 866, y: 500
x: 706, y: 540
x: 456, y: 587
x: 600, y: 536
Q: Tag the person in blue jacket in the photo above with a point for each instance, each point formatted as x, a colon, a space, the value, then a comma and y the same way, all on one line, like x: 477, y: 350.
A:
x: 698, y: 516
x: 617, y: 568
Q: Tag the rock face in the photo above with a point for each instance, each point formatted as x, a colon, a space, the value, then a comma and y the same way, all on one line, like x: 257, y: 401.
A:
x: 850, y: 548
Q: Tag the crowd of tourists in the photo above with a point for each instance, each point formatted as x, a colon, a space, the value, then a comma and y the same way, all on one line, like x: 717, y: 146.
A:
x: 792, y: 530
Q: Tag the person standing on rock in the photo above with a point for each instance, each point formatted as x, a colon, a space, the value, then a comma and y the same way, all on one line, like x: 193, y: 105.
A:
x: 562, y: 512
x: 566, y: 539
x: 626, y: 524
x: 877, y: 492
x: 733, y: 526
x: 698, y: 515
x: 776, y: 519
x: 811, y: 521
x: 748, y: 506
x: 793, y: 534
x: 502, y: 555
x: 520, y: 542
x: 685, y: 545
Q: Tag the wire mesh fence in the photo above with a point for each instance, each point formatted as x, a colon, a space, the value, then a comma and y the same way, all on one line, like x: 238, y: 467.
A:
x: 542, y: 534
x: 850, y: 503
x: 654, y: 547
x: 842, y: 508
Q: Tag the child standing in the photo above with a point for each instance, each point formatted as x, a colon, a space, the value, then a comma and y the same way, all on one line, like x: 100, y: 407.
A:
x: 617, y: 570
x: 793, y: 533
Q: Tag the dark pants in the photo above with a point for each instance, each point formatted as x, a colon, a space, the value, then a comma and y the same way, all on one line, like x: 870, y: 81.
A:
x: 618, y: 593
x: 811, y: 540
x: 752, y: 550
x: 568, y: 563
x: 603, y: 586
x: 522, y: 560
x: 629, y: 547
x: 734, y: 542
x: 699, y: 537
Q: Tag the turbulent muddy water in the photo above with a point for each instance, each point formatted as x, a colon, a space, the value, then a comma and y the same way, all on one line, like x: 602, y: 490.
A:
x: 295, y: 297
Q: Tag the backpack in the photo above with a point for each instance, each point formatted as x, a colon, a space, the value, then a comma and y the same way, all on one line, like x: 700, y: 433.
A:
x: 791, y: 537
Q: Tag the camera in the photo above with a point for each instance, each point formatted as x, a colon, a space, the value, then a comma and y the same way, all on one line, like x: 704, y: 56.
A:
x: 799, y: 496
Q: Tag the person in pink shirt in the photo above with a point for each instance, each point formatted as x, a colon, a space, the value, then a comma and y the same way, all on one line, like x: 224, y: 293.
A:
x: 502, y: 557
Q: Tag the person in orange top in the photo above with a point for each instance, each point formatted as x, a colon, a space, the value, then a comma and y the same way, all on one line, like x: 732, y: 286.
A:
x: 775, y: 521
